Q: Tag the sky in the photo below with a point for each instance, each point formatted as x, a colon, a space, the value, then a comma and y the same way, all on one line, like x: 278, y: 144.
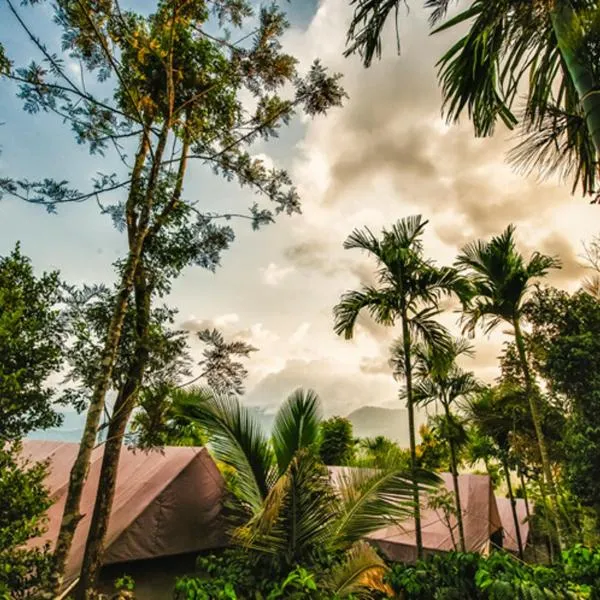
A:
x: 384, y: 155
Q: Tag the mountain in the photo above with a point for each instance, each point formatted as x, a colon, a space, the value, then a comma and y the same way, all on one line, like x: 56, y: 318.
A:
x: 371, y: 421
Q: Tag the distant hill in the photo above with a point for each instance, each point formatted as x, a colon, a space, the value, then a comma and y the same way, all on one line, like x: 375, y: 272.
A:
x: 371, y: 421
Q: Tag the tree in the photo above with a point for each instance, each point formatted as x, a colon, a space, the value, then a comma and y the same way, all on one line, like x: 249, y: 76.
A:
x: 32, y: 334
x: 24, y: 571
x: 295, y: 513
x: 381, y: 453
x: 336, y: 442
x: 174, y: 83
x: 409, y: 289
x: 549, y: 49
x: 439, y: 379
x: 166, y: 362
x: 31, y: 346
x: 501, y: 280
x: 565, y: 330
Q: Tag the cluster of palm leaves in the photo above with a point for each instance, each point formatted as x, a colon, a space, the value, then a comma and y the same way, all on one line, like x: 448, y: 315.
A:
x: 292, y: 509
x: 491, y: 279
x: 533, y: 62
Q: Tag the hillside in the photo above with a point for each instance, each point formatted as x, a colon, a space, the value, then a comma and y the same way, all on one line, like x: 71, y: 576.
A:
x: 371, y: 421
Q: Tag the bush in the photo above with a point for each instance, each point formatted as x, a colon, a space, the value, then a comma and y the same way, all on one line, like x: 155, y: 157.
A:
x: 458, y: 576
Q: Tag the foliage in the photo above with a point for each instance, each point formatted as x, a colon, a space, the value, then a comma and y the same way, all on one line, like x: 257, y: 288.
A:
x: 336, y: 443
x: 459, y: 576
x: 234, y: 575
x: 546, y: 49
x: 565, y: 341
x: 293, y: 511
x: 408, y: 291
x: 381, y: 453
x: 32, y: 335
x: 158, y: 423
x: 23, y: 571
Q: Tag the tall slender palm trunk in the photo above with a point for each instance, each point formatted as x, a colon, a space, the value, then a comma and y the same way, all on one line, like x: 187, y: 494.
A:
x: 547, y: 483
x: 411, y: 433
x: 513, y: 506
x: 527, y: 508
x: 570, y: 34
x: 454, y: 470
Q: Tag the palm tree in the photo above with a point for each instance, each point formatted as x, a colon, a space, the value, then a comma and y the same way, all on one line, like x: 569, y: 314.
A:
x: 439, y: 379
x: 501, y: 279
x: 548, y: 47
x: 409, y: 288
x: 293, y: 509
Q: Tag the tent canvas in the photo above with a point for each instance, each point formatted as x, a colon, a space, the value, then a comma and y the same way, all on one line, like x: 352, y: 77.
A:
x: 166, y: 502
x: 480, y: 518
x: 509, y: 537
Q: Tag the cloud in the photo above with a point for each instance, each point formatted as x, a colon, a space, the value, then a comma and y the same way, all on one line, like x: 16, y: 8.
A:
x: 274, y: 274
x: 340, y: 392
x: 300, y: 333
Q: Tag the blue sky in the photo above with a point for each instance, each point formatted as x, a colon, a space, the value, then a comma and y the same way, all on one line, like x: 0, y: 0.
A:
x: 386, y: 154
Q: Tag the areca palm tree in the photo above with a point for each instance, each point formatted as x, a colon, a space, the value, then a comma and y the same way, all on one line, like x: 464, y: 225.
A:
x: 501, y: 279
x: 293, y: 510
x: 549, y: 48
x: 408, y: 291
x: 439, y: 379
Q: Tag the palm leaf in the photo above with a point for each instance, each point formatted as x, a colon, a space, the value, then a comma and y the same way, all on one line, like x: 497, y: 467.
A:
x: 296, y: 426
x: 295, y: 519
x: 236, y: 439
x: 371, y: 500
x: 361, y: 573
x: 381, y: 304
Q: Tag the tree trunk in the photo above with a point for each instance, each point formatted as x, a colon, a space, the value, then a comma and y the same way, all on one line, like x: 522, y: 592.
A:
x: 454, y: 469
x: 513, y: 506
x: 411, y: 433
x: 537, y: 423
x: 570, y: 33
x: 94, y: 550
x: 71, y: 514
x: 527, y: 509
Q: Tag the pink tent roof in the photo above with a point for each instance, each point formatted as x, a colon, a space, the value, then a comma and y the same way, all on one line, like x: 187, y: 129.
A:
x: 166, y: 503
x: 480, y: 519
x: 509, y: 539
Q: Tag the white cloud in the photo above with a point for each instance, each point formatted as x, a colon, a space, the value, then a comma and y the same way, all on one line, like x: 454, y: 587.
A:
x: 300, y: 333
x: 273, y: 274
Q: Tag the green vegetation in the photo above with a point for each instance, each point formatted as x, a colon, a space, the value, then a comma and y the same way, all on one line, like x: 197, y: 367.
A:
x: 303, y: 498
x: 336, y: 443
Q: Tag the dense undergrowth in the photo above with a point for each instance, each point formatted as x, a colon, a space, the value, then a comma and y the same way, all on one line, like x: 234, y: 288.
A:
x: 234, y: 575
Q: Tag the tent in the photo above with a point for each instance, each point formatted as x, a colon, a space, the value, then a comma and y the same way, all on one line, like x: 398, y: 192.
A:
x: 481, y: 521
x: 509, y: 537
x: 167, y: 503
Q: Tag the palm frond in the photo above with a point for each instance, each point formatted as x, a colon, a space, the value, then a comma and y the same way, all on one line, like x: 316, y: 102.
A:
x: 363, y: 239
x: 591, y: 286
x: 297, y: 515
x: 470, y: 71
x: 371, y: 500
x: 539, y: 264
x: 425, y: 328
x: 236, y: 439
x: 364, y: 34
x: 559, y: 142
x: 381, y: 304
x: 406, y: 233
x: 361, y: 573
x: 296, y: 426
